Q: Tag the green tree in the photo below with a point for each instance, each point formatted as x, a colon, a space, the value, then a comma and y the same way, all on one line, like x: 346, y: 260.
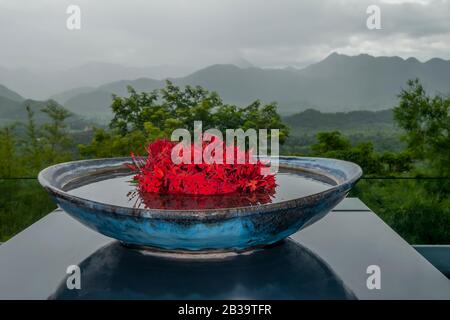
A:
x: 107, y: 144
x: 144, y: 117
x: 57, y: 142
x: 330, y: 142
x: 334, y: 145
x: 426, y: 122
x: 164, y: 109
x: 419, y: 215
x: 257, y: 116
x: 190, y: 104
x: 33, y: 150
x: 9, y: 159
x: 397, y: 162
x: 130, y: 113
x: 417, y: 209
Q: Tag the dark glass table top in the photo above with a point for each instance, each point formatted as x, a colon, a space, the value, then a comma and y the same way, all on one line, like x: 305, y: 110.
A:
x: 284, y: 271
x: 327, y: 260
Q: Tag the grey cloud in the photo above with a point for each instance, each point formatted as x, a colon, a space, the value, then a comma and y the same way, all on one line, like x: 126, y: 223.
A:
x: 201, y: 32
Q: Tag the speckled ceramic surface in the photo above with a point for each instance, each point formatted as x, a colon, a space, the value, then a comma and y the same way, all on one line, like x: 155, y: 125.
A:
x: 224, y: 229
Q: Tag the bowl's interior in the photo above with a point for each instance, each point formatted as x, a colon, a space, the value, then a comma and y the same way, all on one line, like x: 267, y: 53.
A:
x: 117, y: 189
x: 106, y: 181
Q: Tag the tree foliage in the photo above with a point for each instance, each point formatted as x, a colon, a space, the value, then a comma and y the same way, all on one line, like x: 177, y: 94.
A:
x: 55, y: 137
x: 9, y: 159
x: 426, y: 122
x: 335, y: 145
x: 146, y: 116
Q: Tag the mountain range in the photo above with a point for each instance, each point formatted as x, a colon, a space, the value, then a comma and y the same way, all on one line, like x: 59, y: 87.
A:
x: 42, y: 83
x: 336, y: 84
x: 6, y: 93
x: 13, y: 110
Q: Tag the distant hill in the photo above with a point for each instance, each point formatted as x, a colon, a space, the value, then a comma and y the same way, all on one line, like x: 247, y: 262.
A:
x: 15, y: 111
x: 9, y: 94
x: 66, y: 95
x: 43, y: 84
x: 337, y: 83
x: 364, y: 82
x: 312, y: 120
x: 94, y: 105
x: 235, y: 85
x: 378, y: 127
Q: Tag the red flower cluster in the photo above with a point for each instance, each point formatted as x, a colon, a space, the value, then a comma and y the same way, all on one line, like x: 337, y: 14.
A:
x: 159, y: 174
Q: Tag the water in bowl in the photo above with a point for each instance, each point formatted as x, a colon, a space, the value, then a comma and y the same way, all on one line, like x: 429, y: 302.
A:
x: 119, y: 191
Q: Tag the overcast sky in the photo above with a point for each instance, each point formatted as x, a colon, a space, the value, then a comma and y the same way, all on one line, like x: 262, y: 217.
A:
x: 201, y: 32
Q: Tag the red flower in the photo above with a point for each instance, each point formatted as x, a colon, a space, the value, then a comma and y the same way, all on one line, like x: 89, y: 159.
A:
x: 158, y: 174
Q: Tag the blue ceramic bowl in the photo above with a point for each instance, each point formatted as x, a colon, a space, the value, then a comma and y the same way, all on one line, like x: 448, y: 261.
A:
x: 224, y: 229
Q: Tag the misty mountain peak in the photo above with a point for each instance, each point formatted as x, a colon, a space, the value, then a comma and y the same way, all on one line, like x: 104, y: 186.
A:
x: 333, y: 56
x: 242, y: 63
x: 437, y: 61
x: 9, y: 94
x: 412, y: 60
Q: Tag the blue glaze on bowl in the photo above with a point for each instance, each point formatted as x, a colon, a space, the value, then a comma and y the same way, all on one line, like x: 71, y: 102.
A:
x: 230, y: 229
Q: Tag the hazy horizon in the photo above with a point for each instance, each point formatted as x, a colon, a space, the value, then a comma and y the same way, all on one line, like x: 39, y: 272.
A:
x: 230, y: 62
x: 55, y: 82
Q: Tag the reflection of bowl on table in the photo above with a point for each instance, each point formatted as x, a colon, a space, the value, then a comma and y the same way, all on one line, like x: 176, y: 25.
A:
x: 285, y: 270
x: 95, y: 193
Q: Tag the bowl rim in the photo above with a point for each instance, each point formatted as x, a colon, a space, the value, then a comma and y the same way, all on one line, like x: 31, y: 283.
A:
x: 340, y: 187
